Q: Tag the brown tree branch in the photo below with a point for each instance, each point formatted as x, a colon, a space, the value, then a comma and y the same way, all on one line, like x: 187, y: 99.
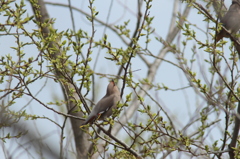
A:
x: 80, y: 137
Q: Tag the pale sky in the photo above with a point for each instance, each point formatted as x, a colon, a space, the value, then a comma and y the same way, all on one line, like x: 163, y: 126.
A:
x: 180, y: 106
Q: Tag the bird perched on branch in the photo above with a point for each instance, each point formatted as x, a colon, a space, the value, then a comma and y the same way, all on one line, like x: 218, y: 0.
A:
x: 231, y: 21
x: 104, y: 107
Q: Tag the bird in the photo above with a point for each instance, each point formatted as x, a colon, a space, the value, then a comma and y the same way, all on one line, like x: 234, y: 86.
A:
x: 231, y: 21
x: 104, y: 107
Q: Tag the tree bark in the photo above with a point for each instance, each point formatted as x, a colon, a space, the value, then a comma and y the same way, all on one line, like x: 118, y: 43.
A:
x: 81, y: 138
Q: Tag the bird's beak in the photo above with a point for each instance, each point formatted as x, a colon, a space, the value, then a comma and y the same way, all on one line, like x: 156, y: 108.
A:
x: 113, y: 82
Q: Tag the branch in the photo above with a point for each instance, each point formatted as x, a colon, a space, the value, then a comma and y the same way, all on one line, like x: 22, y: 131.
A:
x: 42, y: 16
x: 232, y: 145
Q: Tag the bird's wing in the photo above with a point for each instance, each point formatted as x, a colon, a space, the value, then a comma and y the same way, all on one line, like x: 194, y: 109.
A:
x: 102, y: 106
x: 231, y: 19
x: 105, y: 104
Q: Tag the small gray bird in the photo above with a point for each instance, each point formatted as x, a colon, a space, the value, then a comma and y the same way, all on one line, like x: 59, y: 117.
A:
x: 231, y: 21
x: 104, y: 107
